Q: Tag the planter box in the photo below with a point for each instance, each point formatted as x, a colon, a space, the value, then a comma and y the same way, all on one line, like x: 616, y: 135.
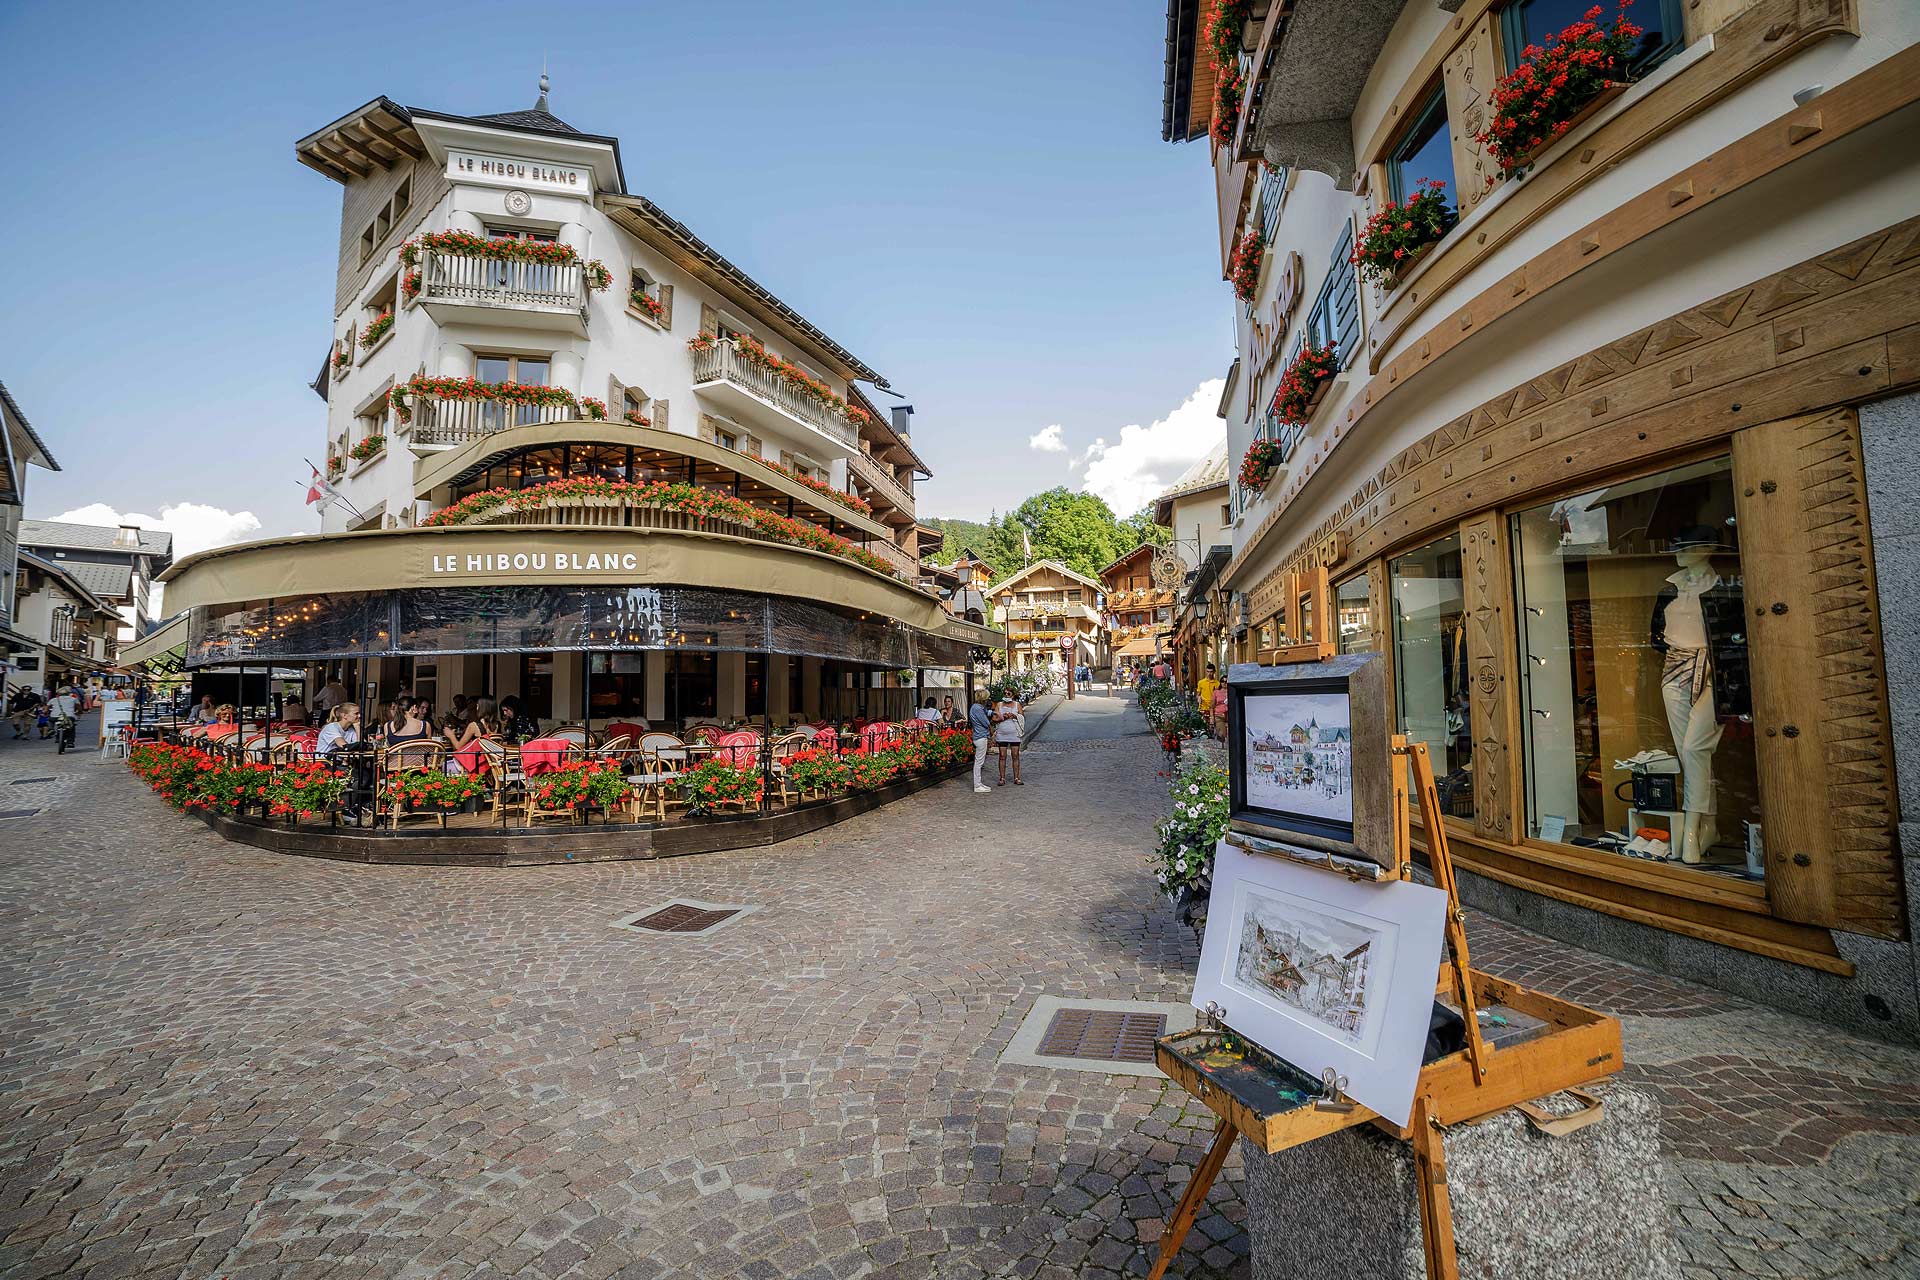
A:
x: 1405, y: 269
x: 1613, y: 90
x: 1319, y: 394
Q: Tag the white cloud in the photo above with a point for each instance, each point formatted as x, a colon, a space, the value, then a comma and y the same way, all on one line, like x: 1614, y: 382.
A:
x: 1047, y: 440
x: 194, y: 526
x: 1145, y: 461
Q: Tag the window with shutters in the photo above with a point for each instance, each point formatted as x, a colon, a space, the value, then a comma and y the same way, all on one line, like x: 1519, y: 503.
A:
x: 1334, y: 317
x: 1273, y: 193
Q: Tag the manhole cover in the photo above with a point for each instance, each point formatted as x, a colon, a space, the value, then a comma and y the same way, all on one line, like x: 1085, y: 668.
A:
x: 681, y: 918
x: 1110, y: 1037
x: 684, y: 917
x: 1104, y: 1035
x: 21, y: 782
x: 16, y: 813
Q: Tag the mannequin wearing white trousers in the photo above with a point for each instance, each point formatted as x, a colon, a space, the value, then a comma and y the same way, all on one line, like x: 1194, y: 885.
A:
x: 1686, y: 687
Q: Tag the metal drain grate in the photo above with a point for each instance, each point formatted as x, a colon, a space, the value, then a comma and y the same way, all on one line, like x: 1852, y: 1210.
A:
x: 1104, y: 1035
x: 681, y: 918
x: 6, y: 814
x: 21, y: 782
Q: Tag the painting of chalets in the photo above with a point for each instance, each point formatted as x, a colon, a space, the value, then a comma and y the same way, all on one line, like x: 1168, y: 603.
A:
x: 1299, y: 754
x: 1314, y: 963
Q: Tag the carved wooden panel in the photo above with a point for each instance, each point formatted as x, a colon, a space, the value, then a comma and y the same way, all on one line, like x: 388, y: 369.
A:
x: 1469, y: 75
x: 1487, y: 591
x: 1821, y: 725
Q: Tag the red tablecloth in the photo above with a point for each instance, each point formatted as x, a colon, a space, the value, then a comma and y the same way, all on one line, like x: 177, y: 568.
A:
x: 543, y: 755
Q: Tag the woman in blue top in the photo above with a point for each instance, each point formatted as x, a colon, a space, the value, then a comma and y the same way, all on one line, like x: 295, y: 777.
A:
x: 980, y: 723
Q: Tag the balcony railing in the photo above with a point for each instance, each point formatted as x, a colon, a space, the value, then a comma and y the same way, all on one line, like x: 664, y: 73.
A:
x: 496, y: 282
x: 894, y: 556
x: 722, y: 362
x: 448, y: 422
x: 880, y: 477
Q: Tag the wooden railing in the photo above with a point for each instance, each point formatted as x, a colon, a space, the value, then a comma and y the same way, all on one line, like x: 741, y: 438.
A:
x: 722, y: 362
x: 894, y: 556
x: 880, y: 476
x: 437, y: 421
x: 495, y: 282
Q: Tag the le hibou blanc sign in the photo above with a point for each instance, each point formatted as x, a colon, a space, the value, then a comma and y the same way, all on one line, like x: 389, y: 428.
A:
x: 506, y: 171
x: 1267, y: 333
x: 494, y: 564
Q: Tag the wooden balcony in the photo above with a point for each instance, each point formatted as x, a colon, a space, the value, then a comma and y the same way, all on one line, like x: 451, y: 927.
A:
x: 753, y: 393
x: 439, y: 423
x: 879, y: 477
x: 455, y: 288
x: 894, y: 556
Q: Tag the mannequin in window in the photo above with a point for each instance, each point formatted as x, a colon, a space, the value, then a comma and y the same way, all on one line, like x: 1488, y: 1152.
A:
x: 1699, y: 629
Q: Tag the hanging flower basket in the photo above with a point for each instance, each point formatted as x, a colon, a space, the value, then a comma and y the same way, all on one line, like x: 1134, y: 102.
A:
x: 1305, y: 383
x: 1397, y: 234
x: 1258, y: 464
x: 1244, y: 269
x: 1555, y: 88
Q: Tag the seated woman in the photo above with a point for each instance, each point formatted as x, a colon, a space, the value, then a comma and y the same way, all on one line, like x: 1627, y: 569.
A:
x: 342, y: 730
x: 516, y: 725
x: 462, y: 753
x: 224, y: 725
x: 414, y: 724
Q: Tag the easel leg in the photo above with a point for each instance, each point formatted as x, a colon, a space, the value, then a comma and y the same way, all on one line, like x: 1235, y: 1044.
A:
x: 1436, y: 1207
x: 1195, y: 1196
x: 1440, y: 860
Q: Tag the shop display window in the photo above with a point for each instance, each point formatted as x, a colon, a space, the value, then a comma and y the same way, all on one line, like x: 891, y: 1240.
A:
x: 1430, y: 666
x: 1636, y: 704
x: 1353, y: 615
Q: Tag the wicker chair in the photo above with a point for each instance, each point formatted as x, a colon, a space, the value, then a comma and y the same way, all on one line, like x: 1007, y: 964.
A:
x: 662, y: 757
x: 407, y: 755
x: 782, y: 748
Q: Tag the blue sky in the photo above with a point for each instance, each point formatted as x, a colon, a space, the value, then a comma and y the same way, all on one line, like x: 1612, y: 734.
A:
x: 973, y: 198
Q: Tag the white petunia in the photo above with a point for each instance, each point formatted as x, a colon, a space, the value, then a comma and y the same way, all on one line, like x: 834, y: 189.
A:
x: 1193, y: 789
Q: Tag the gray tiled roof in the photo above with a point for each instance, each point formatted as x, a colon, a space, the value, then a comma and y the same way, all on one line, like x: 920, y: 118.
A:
x: 1207, y: 473
x: 536, y: 119
x: 13, y: 407
x: 108, y: 581
x: 89, y: 537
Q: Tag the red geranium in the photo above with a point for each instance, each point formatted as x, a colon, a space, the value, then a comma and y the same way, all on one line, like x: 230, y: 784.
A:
x: 1244, y: 268
x: 1535, y: 103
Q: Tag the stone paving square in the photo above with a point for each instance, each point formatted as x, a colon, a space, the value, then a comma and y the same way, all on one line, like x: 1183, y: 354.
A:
x: 223, y: 1062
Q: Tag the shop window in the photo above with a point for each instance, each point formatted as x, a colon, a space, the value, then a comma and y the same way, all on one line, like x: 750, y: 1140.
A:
x: 1633, y: 633
x: 1304, y: 612
x: 1539, y: 22
x: 536, y: 685
x: 1353, y: 615
x: 756, y: 702
x: 692, y: 686
x: 619, y: 684
x: 1430, y: 666
x: 1426, y: 152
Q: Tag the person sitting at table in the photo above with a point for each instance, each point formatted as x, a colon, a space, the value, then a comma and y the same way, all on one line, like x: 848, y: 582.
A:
x: 482, y: 725
x: 223, y: 725
x: 930, y: 712
x: 293, y: 711
x: 205, y: 713
x: 342, y: 730
x: 949, y: 714
x: 516, y: 726
x: 414, y: 725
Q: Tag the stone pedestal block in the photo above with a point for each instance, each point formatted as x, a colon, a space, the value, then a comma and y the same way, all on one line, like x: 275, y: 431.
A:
x: 1589, y: 1206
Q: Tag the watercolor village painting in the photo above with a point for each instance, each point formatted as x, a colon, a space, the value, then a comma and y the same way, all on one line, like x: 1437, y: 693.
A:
x: 1314, y: 963
x: 1300, y: 755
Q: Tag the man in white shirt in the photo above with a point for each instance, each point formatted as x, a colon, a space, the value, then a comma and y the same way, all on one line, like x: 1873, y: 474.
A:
x: 329, y: 697
x: 64, y: 703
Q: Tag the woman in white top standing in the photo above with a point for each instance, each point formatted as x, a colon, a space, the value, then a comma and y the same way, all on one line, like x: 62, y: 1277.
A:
x: 1009, y: 727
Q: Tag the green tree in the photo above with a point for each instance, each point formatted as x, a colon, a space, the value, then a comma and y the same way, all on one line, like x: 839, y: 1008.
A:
x: 1077, y: 529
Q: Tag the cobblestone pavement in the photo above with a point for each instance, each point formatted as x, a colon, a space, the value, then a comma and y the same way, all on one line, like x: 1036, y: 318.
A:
x: 223, y: 1062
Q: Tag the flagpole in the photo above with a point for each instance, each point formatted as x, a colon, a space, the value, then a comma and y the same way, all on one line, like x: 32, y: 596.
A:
x: 337, y: 497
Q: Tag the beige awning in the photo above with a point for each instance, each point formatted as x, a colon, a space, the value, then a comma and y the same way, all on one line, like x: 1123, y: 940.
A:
x: 541, y: 555
x: 1139, y: 647
x: 156, y: 643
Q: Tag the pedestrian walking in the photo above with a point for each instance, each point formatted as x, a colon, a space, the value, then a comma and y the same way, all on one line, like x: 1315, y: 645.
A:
x: 980, y: 721
x: 1009, y: 727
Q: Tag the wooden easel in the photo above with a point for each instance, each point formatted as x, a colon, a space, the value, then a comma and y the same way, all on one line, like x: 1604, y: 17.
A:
x: 1423, y: 1131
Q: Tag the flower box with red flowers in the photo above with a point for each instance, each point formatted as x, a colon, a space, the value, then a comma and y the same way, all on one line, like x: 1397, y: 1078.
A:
x: 635, y: 418
x: 1244, y: 269
x: 335, y: 466
x: 465, y: 244
x: 1225, y: 24
x: 342, y: 357
x: 1257, y: 465
x: 1399, y: 232
x: 647, y: 305
x: 372, y: 447
x: 815, y: 772
x: 410, y: 285
x: 593, y: 410
x: 525, y: 393
x: 1305, y: 383
x: 594, y: 784
x: 1554, y: 89
x: 716, y: 782
x: 1229, y: 89
x: 431, y: 791
x: 377, y: 328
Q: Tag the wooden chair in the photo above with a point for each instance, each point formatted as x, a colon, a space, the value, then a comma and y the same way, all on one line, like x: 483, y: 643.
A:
x: 782, y: 748
x: 405, y: 756
x: 662, y: 757
x: 613, y: 746
x: 499, y: 770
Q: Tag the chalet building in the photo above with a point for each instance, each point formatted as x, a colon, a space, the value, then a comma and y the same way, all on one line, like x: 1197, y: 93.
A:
x: 1611, y: 463
x: 118, y: 564
x: 575, y: 455
x: 1139, y: 611
x: 1198, y: 509
x: 69, y: 632
x: 1050, y: 612
x: 21, y: 448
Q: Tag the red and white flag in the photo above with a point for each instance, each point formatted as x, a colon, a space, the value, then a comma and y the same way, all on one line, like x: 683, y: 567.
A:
x: 319, y: 491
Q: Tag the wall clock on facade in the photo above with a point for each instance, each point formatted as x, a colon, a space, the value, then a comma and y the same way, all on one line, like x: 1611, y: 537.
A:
x: 1169, y: 570
x: 519, y: 203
